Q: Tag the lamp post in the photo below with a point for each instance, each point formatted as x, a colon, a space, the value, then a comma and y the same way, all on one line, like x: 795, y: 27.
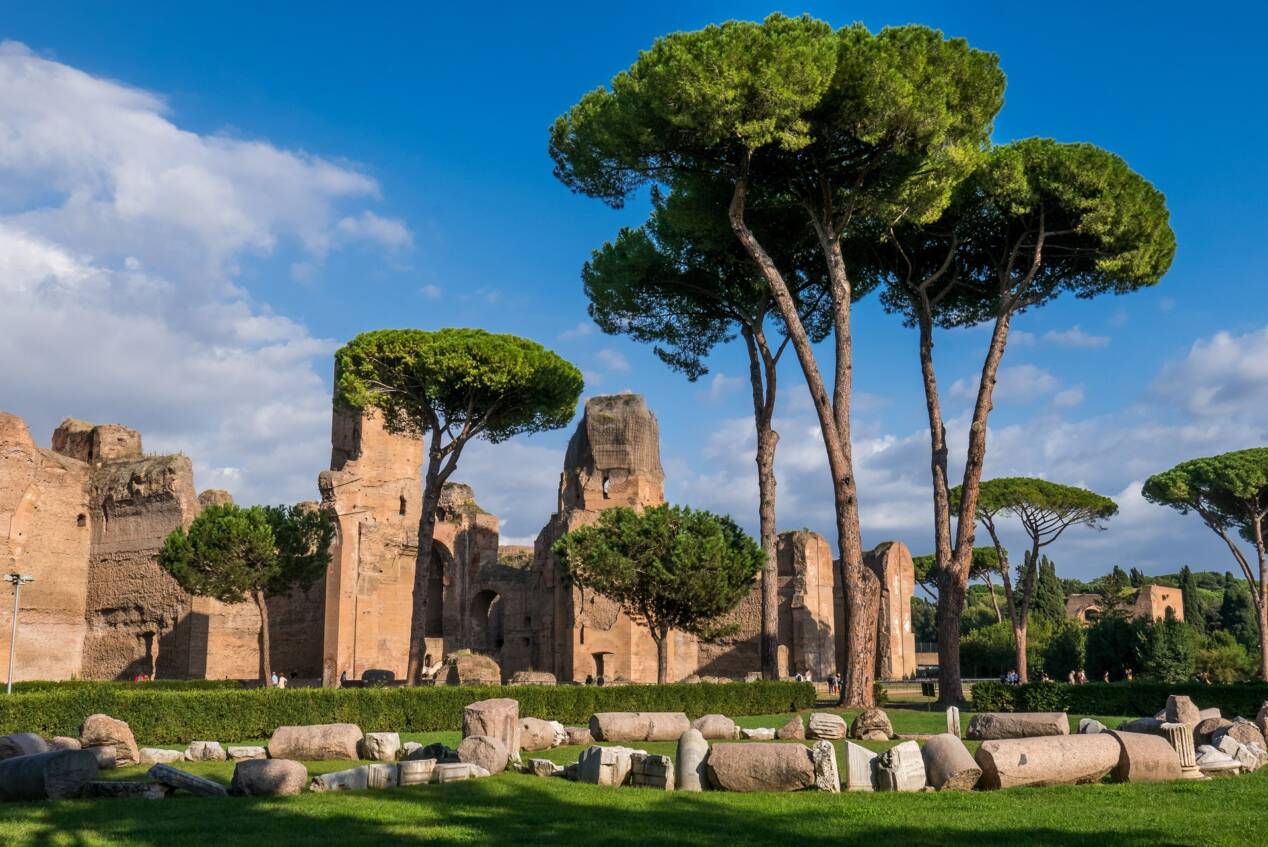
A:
x: 17, y: 580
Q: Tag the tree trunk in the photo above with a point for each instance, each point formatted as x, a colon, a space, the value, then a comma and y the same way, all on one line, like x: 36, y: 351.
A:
x: 990, y: 586
x: 1019, y: 635
x: 266, y: 663
x: 662, y: 655
x: 860, y: 585
x: 947, y: 614
x: 762, y: 377
x: 433, y: 483
x: 1257, y: 534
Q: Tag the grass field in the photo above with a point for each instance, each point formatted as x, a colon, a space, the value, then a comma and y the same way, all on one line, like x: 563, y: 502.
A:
x: 517, y: 809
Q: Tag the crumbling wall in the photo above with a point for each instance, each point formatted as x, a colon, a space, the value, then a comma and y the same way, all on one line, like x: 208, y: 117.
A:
x: 896, y: 642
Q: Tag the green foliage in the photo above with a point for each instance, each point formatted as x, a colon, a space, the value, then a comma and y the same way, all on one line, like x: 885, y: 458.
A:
x: 1049, y: 596
x: 1066, y: 650
x: 461, y: 380
x: 670, y: 567
x: 985, y: 562
x: 1193, y: 612
x: 1111, y: 645
x: 1166, y: 650
x: 1229, y: 491
x: 162, y: 716
x: 1119, y: 698
x: 34, y: 686
x: 228, y: 552
x: 1225, y: 659
x: 977, y: 616
x: 1237, y: 614
x: 922, y: 620
x: 989, y: 650
x: 1042, y: 506
x: 231, y: 552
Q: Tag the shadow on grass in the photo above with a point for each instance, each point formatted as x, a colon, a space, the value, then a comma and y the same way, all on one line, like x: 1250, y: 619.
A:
x: 523, y: 810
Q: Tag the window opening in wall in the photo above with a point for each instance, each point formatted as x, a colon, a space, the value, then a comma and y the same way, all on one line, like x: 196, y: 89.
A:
x: 402, y: 504
x: 82, y: 520
x: 605, y: 486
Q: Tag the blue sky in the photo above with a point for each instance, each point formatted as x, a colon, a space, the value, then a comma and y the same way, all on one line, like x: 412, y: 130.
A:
x: 195, y: 209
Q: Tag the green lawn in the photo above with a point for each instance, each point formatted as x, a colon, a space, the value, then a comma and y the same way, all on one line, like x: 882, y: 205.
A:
x: 518, y: 809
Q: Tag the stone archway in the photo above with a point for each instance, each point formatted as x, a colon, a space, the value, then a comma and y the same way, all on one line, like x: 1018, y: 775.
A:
x: 487, y: 625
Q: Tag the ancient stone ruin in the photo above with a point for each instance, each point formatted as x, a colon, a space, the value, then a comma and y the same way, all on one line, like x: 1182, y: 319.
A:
x: 88, y: 517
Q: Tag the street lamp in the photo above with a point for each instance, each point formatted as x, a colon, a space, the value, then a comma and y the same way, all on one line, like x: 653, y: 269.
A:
x: 17, y: 580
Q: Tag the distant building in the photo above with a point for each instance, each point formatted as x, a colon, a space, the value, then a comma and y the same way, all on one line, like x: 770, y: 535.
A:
x: 1152, y: 601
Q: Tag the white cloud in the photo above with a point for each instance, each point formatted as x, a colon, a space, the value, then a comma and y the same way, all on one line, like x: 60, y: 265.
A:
x: 1069, y: 397
x: 613, y: 360
x: 1020, y: 383
x: 722, y: 386
x: 1219, y: 376
x: 581, y: 330
x: 1076, y: 337
x: 121, y: 242
x: 431, y: 292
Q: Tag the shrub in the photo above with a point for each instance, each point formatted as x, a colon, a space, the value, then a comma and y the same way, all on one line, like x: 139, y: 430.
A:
x: 1066, y: 651
x: 1111, y: 644
x: 1225, y: 659
x: 31, y: 686
x: 1121, y: 698
x: 163, y: 716
x: 1166, y: 650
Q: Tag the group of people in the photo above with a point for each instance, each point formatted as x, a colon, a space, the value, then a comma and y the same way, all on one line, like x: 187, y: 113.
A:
x: 834, y: 683
x: 279, y: 680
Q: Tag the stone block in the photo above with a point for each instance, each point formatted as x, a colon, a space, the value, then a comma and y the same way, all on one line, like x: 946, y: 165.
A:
x: 351, y: 779
x: 22, y: 744
x: 648, y: 770
x: 456, y: 772
x: 824, y: 758
x: 860, y: 768
x: 1181, y: 709
x: 416, y: 771
x: 160, y: 755
x: 605, y: 765
x: 1090, y: 726
x: 268, y: 778
x: 994, y: 726
x: 124, y: 789
x: 758, y: 733
x: 484, y: 750
x: 579, y: 736
x: 382, y: 775
x: 901, y: 768
x: 179, y: 780
x: 1150, y: 726
x: 465, y: 668
x: 62, y: 742
x: 55, y: 775
x: 716, y: 727
x: 827, y: 726
x: 105, y: 731
x: 949, y: 766
x: 318, y: 742
x: 496, y: 718
x: 107, y: 758
x: 532, y: 678
x: 953, y: 721
x: 693, y: 749
x: 760, y: 767
x: 205, y: 751
x: 1047, y: 760
x: 380, y: 746
x: 794, y: 730
x: 544, y: 768
x: 1243, y: 730
x: 871, y: 725
x: 242, y: 754
x: 1145, y: 758
x: 537, y: 734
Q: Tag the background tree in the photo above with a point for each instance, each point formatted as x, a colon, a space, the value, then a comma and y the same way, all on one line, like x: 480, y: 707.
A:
x: 232, y: 554
x: 449, y: 387
x: 669, y: 567
x: 1193, y: 614
x: 843, y: 125
x: 683, y: 283
x: 1049, y: 597
x: 1111, y: 589
x: 1229, y: 493
x: 1237, y: 614
x: 1045, y: 511
x: 1166, y: 650
x: 1035, y: 220
x: 986, y: 564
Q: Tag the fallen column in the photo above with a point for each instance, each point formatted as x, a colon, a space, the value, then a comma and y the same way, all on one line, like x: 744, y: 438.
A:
x: 1052, y: 760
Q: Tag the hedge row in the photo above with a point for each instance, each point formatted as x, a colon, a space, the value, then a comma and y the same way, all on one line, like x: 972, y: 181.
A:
x: 164, y: 717
x: 165, y: 684
x: 1120, y: 698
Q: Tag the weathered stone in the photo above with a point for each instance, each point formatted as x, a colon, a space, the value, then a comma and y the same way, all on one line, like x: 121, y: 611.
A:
x: 666, y: 726
x: 826, y: 726
x: 409, y: 748
x: 62, y: 742
x: 456, y: 772
x: 105, y: 731
x: 1181, y: 709
x: 1091, y: 726
x: 496, y: 718
x: 871, y: 725
x: 319, y: 742
x: 579, y: 736
x: 107, y: 758
x: 380, y: 746
x: 416, y: 771
x: 157, y: 755
x: 205, y: 751
x: 760, y: 767
x: 1151, y: 726
x: 1213, y: 762
x: 440, y: 752
x: 794, y: 730
x: 693, y: 749
x: 177, y: 779
x: 901, y: 768
x: 242, y: 754
x: 949, y: 766
x: 1050, y: 760
x: 1243, y: 730
x: 1180, y: 738
x: 638, y: 726
x: 570, y: 771
x: 532, y: 678
x: 605, y: 765
x: 21, y: 744
x: 467, y: 668
x: 268, y: 777
x: 55, y: 775
x: 860, y: 768
x: 484, y: 750
x: 824, y: 758
x: 544, y: 767
x: 537, y: 734
x: 953, y: 721
x: 716, y: 727
x: 1251, y: 757
x: 382, y: 775
x: 124, y: 789
x: 649, y: 770
x: 1204, y: 732
x: 994, y: 726
x: 1261, y: 719
x: 351, y: 779
x: 1145, y: 758
x: 758, y: 733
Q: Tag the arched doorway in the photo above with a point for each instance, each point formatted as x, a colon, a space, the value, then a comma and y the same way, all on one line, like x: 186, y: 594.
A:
x: 434, y: 614
x: 487, y: 631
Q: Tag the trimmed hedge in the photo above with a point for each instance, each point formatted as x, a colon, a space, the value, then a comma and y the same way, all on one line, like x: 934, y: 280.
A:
x: 164, y: 717
x: 150, y: 684
x: 1119, y: 698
